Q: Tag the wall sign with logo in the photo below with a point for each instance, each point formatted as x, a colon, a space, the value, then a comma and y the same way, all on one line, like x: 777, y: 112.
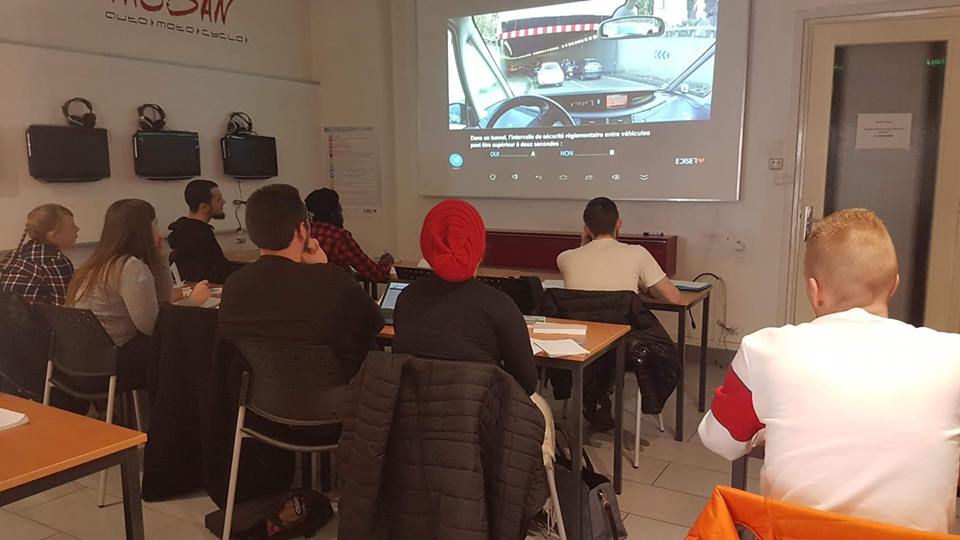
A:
x: 192, y: 18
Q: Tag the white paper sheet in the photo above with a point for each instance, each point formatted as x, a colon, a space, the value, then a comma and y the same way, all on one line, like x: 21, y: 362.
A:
x: 884, y: 131
x: 11, y: 419
x: 559, y: 347
x: 354, y: 160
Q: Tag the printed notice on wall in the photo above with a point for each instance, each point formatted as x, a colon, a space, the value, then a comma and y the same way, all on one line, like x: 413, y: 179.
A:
x: 884, y: 131
x: 354, y: 154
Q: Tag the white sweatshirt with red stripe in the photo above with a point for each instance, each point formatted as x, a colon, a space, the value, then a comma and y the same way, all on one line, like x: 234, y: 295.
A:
x: 859, y: 414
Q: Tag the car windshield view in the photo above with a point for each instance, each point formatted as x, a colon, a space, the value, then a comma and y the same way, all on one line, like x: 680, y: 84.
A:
x: 602, y: 61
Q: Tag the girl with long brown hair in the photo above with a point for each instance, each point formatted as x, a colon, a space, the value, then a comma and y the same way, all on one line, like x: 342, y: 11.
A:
x: 37, y: 270
x: 125, y: 281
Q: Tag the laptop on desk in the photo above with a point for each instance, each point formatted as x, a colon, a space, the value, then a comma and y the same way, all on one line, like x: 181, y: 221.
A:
x: 388, y: 302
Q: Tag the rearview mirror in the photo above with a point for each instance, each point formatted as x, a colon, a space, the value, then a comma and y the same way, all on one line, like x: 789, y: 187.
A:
x: 640, y: 26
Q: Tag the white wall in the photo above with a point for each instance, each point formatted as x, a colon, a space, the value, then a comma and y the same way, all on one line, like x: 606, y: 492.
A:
x: 744, y: 242
x: 353, y: 59
x: 278, y: 32
x: 59, y: 48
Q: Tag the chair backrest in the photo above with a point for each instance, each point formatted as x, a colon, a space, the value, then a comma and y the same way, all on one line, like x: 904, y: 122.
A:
x: 291, y: 383
x: 24, y: 347
x: 408, y: 273
x: 525, y: 291
x: 82, y: 347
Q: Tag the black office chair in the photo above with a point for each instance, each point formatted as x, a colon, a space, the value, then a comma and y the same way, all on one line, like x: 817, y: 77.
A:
x: 288, y: 386
x: 409, y: 273
x: 24, y: 347
x: 83, y: 355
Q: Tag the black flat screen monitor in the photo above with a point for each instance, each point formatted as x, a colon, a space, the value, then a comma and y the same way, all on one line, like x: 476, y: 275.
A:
x: 249, y: 157
x: 166, y: 155
x: 68, y: 154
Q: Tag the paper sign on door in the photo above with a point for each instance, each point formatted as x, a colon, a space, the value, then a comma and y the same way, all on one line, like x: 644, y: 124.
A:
x: 884, y: 131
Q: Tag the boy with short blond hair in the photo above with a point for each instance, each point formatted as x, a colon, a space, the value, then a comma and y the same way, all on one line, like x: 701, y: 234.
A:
x: 858, y: 412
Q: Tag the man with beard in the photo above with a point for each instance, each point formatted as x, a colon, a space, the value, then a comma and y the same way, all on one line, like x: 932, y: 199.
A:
x: 195, y: 250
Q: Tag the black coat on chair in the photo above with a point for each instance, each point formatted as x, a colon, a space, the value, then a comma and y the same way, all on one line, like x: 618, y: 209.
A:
x: 650, y: 352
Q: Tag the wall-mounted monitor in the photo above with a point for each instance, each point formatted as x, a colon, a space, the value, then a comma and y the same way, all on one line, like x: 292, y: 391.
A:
x: 68, y: 154
x: 249, y: 157
x: 166, y: 155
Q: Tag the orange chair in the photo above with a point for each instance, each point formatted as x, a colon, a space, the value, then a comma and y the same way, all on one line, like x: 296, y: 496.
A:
x: 768, y: 519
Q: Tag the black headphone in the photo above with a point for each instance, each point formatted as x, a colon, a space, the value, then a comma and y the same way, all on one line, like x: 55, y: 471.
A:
x: 239, y: 123
x: 158, y: 120
x: 86, y: 120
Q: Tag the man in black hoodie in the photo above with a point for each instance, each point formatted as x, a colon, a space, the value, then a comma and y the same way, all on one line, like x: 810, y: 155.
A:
x: 195, y: 250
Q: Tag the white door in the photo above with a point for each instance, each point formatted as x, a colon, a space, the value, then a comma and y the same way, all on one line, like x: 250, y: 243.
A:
x: 879, y: 128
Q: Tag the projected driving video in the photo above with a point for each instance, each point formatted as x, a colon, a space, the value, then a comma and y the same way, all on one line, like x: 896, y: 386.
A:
x: 632, y: 99
x: 597, y: 62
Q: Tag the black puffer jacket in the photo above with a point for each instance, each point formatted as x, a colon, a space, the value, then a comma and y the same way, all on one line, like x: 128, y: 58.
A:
x: 650, y: 351
x: 439, y: 450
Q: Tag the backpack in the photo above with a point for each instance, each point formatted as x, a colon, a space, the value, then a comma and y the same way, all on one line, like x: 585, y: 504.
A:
x: 601, y: 513
x: 293, y: 514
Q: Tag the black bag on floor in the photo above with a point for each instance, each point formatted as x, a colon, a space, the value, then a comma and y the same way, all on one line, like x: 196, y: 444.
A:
x: 601, y: 513
x: 298, y: 513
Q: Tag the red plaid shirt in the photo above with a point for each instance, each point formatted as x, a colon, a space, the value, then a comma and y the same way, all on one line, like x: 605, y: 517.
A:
x: 39, y: 273
x: 343, y: 250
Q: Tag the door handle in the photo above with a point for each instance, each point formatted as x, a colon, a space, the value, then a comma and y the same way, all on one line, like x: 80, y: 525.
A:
x: 807, y: 222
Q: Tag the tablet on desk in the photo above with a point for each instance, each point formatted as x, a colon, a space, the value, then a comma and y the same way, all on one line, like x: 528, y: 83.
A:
x: 388, y: 302
x: 694, y: 286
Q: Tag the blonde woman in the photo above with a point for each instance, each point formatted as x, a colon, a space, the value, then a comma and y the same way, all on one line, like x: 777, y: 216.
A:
x: 37, y: 270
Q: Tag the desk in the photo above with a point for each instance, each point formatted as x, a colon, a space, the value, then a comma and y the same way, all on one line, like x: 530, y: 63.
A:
x: 242, y: 256
x: 600, y: 339
x: 57, y: 447
x: 689, y: 300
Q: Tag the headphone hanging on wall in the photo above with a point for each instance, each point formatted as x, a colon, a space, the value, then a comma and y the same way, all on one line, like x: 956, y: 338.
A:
x: 86, y: 120
x: 157, y: 119
x: 240, y: 123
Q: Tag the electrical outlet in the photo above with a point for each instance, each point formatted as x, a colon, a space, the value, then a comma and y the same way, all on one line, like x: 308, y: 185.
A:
x: 775, y: 164
x: 781, y: 179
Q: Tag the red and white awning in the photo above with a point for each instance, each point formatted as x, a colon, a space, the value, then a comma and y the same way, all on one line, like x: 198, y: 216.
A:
x: 553, y: 29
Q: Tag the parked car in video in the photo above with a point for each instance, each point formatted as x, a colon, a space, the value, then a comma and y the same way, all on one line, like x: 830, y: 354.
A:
x: 588, y: 68
x: 550, y: 74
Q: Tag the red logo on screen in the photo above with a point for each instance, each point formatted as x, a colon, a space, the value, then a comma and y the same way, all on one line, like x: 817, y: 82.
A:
x: 209, y: 10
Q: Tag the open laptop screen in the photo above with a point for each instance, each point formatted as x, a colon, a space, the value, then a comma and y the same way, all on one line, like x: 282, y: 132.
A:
x: 389, y: 299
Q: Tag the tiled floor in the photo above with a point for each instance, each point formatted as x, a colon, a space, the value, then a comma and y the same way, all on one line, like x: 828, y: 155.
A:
x: 660, y: 499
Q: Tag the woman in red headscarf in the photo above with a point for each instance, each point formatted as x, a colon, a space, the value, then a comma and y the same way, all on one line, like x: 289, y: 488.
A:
x: 451, y: 315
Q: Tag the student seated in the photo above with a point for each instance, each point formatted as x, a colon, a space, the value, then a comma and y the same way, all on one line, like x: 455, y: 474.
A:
x: 123, y: 284
x: 450, y: 315
x: 858, y: 412
x: 327, y: 228
x: 37, y: 270
x: 602, y: 263
x: 196, y: 251
x: 289, y: 294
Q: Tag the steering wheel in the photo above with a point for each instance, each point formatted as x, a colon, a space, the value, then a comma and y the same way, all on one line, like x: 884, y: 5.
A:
x: 550, y: 112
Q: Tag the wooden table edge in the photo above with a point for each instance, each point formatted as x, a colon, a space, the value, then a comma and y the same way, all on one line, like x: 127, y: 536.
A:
x: 75, y: 461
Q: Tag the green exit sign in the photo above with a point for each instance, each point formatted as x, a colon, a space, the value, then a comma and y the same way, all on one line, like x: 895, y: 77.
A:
x: 936, y: 62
